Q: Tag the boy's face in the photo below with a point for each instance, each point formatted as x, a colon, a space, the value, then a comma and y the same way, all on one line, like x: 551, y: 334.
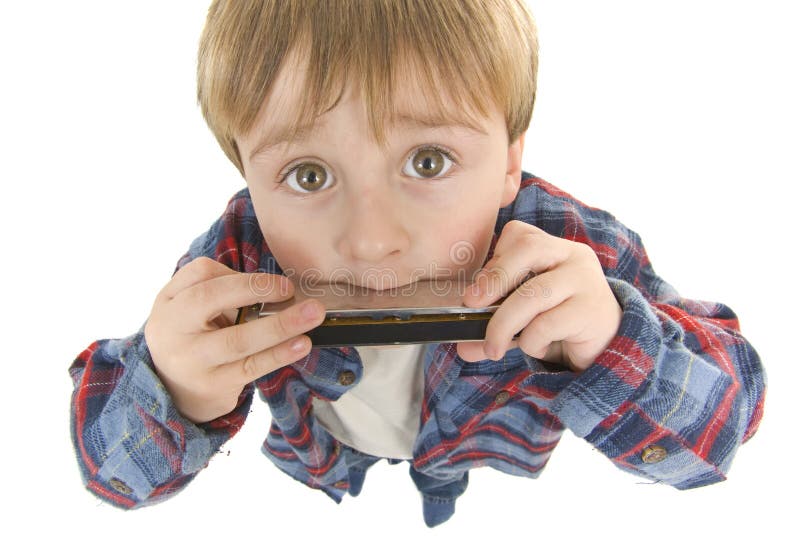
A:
x: 379, y: 218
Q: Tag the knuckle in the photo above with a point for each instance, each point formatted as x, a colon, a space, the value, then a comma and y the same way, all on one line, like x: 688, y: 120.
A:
x: 539, y: 288
x: 528, y: 344
x: 503, y: 274
x: 202, y: 266
x: 529, y: 240
x: 515, y: 226
x: 251, y: 366
x: 584, y: 250
x: 536, y: 332
x: 285, y: 323
x: 235, y: 341
x: 198, y: 293
x: 497, y: 281
x: 261, y: 363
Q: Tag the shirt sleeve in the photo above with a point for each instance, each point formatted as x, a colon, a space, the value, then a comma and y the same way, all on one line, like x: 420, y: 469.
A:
x: 132, y: 445
x: 679, y: 388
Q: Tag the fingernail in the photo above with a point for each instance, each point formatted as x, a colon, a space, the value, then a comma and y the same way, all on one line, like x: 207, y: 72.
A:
x: 298, y: 345
x: 309, y: 310
x: 474, y: 290
x: 480, y: 282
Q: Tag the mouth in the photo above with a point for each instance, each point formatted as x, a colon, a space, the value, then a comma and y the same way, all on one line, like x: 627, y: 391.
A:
x: 414, y: 287
x: 368, y: 287
x: 368, y: 283
x: 385, y: 281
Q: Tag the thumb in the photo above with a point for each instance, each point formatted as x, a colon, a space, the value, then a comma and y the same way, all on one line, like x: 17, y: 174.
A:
x: 471, y: 351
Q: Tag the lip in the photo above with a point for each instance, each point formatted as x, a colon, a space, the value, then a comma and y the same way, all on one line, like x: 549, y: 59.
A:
x: 350, y: 283
x: 346, y: 283
x: 371, y: 280
x: 344, y: 287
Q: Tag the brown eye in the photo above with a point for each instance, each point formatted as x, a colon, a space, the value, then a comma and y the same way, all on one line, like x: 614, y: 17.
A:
x: 428, y: 162
x: 310, y: 177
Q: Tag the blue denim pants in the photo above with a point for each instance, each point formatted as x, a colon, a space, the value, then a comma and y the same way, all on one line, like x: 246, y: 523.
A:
x: 438, y: 496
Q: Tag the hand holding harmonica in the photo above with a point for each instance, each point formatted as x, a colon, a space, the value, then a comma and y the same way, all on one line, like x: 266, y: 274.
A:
x: 203, y: 359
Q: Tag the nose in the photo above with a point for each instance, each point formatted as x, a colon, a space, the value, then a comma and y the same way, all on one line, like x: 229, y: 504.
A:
x: 373, y: 230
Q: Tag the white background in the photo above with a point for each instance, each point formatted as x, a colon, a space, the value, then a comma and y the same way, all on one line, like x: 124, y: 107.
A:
x: 680, y: 118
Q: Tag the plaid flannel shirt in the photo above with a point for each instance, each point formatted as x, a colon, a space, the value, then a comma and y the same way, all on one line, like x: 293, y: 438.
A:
x: 671, y: 398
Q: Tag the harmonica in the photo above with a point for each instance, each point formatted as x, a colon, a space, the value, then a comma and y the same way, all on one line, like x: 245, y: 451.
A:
x: 420, y: 312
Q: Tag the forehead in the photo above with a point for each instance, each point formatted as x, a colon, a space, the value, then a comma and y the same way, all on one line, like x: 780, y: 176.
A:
x: 285, y: 112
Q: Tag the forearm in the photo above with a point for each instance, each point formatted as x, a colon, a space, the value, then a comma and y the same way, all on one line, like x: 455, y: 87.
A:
x: 132, y: 445
x: 674, y: 394
x: 676, y: 376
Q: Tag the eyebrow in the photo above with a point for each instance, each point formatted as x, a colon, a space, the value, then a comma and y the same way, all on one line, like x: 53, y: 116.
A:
x: 283, y: 133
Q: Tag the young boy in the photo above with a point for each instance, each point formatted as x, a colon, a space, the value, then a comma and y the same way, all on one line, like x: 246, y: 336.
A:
x: 381, y: 145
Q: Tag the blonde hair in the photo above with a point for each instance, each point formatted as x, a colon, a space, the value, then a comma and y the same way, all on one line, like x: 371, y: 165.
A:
x: 472, y: 50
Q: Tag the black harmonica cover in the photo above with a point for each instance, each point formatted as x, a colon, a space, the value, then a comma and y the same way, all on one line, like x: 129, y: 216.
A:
x: 421, y: 312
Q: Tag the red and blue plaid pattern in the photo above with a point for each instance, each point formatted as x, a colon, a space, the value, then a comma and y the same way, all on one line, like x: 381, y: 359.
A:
x: 671, y: 398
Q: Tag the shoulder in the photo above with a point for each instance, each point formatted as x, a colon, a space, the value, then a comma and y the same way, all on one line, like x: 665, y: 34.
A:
x: 544, y: 205
x: 233, y: 239
x: 547, y: 204
x: 239, y: 221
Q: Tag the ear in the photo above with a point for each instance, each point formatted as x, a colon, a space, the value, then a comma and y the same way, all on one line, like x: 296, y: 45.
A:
x: 513, y: 171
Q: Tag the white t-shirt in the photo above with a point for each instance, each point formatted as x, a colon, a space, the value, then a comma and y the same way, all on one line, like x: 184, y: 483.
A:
x: 380, y: 415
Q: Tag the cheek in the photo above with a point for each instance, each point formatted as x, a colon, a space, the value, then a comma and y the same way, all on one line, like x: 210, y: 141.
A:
x: 294, y: 244
x: 465, y: 245
x: 293, y: 249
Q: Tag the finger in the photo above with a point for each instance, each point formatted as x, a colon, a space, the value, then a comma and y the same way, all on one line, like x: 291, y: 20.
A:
x: 473, y: 350
x: 532, y: 252
x: 239, y: 341
x: 197, y: 270
x: 556, y: 324
x: 254, y: 366
x: 470, y: 350
x: 524, y: 304
x: 511, y: 232
x: 553, y: 353
x: 201, y: 303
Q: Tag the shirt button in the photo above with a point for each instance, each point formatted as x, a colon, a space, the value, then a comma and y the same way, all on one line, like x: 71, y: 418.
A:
x: 347, y: 377
x: 654, y: 454
x: 501, y: 398
x: 120, y: 486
